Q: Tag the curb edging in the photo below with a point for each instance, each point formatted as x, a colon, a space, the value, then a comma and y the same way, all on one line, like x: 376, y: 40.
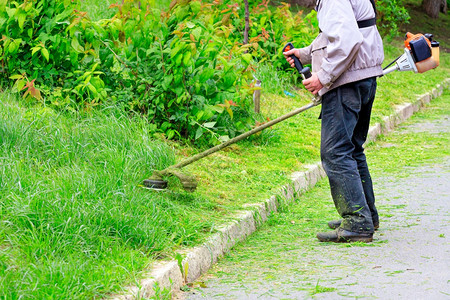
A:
x: 167, y: 275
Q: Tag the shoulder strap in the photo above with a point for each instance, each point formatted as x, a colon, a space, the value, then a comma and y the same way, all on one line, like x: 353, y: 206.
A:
x: 317, y: 5
x: 374, y: 7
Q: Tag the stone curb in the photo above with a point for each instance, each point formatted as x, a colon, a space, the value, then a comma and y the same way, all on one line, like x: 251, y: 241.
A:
x: 403, y: 112
x: 167, y: 275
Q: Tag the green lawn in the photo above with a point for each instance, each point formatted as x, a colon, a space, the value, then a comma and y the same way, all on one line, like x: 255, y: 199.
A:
x: 74, y: 220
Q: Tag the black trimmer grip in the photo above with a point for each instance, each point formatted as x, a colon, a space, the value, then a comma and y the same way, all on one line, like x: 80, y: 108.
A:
x: 305, y: 72
x: 298, y: 64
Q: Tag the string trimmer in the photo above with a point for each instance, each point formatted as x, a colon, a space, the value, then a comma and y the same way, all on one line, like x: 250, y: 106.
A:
x: 415, y: 59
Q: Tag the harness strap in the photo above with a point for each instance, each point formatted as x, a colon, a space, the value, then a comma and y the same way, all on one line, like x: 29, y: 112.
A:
x: 367, y: 23
x: 364, y: 23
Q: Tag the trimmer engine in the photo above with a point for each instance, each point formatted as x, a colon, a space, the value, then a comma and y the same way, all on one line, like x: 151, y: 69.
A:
x: 421, y: 54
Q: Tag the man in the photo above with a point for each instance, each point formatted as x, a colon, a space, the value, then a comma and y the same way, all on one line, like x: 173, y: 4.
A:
x: 346, y: 58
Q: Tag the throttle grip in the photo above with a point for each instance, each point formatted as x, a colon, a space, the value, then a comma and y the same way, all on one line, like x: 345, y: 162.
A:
x: 305, y: 72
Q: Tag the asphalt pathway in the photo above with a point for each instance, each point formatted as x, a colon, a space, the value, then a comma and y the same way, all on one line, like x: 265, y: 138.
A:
x: 409, y: 259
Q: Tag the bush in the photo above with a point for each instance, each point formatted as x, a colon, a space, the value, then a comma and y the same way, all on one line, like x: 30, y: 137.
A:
x: 391, y: 13
x: 185, y: 69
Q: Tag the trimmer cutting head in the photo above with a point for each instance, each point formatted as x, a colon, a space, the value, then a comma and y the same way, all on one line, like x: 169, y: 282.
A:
x: 156, y: 182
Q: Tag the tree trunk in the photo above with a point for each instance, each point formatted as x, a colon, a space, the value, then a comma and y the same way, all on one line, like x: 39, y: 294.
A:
x: 444, y: 6
x: 247, y: 22
x: 432, y: 7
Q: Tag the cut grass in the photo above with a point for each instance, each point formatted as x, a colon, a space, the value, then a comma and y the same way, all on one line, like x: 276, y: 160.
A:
x: 278, y: 254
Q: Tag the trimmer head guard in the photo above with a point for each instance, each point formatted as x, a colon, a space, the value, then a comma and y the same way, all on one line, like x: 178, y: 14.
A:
x: 156, y: 182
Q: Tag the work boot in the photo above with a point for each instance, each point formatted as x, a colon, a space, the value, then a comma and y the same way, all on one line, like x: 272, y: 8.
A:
x: 344, y: 236
x: 336, y: 223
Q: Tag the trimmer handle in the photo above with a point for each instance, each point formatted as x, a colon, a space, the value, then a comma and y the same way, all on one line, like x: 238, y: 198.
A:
x: 305, y: 72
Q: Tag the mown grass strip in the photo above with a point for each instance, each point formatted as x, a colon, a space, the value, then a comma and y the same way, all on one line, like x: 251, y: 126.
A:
x: 278, y: 254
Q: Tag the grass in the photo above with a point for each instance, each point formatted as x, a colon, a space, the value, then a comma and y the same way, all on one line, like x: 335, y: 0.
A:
x: 322, y: 289
x: 76, y: 224
x: 72, y: 214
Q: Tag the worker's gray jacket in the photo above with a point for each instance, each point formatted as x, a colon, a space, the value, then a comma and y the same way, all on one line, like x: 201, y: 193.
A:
x: 342, y: 52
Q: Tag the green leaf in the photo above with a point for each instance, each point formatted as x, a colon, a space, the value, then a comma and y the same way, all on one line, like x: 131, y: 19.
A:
x: 12, y: 48
x: 76, y: 45
x: 187, y: 58
x: 247, y: 57
x: 88, y: 78
x: 224, y: 138
x: 97, y: 82
x: 197, y: 32
x: 206, y: 74
x: 195, y: 6
x: 35, y: 49
x: 21, y: 20
x: 16, y: 76
x: 11, y: 12
x: 165, y: 126
x: 209, y: 124
x: 45, y: 54
x: 93, y: 89
x: 167, y: 81
x: 198, y: 133
x: 175, y: 50
x: 178, y: 59
x: 229, y: 80
x: 170, y: 134
x: 263, y: 20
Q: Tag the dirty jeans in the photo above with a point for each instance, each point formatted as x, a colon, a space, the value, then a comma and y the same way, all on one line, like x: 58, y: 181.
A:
x: 345, y: 123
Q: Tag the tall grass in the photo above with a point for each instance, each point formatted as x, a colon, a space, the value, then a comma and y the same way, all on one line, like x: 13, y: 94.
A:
x: 73, y: 221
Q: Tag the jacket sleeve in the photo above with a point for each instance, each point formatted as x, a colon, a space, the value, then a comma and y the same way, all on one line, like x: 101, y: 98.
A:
x: 338, y: 24
x: 305, y: 55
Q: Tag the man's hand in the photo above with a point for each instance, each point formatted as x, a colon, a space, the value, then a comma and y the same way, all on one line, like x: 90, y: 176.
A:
x: 296, y: 52
x: 313, y: 84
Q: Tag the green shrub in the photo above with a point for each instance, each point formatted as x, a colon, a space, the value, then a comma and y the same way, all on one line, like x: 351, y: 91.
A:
x: 391, y: 13
x: 185, y: 69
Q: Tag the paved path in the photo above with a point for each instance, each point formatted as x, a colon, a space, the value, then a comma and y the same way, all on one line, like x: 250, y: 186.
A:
x: 410, y: 257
